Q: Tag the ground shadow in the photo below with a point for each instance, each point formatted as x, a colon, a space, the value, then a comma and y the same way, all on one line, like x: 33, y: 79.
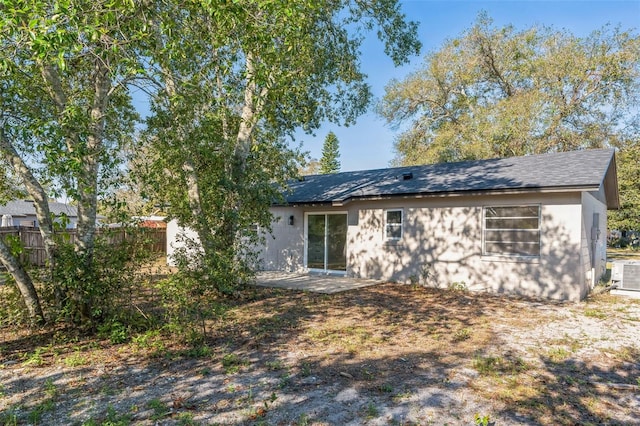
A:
x: 392, y: 354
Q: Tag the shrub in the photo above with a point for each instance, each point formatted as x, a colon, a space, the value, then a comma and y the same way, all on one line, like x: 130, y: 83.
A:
x: 12, y: 308
x: 96, y: 290
x: 197, y: 291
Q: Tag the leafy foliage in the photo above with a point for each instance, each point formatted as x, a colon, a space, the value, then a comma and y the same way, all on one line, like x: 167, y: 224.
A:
x: 228, y: 81
x: 310, y: 167
x: 498, y: 92
x: 102, y: 294
x: 628, y: 162
x: 65, y: 110
x: 235, y: 80
x: 190, y: 297
x: 12, y: 309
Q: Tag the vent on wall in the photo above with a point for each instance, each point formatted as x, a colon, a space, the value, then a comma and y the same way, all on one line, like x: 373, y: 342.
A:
x: 626, y: 274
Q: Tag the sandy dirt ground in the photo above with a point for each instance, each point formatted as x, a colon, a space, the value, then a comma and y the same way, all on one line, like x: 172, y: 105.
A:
x: 383, y: 355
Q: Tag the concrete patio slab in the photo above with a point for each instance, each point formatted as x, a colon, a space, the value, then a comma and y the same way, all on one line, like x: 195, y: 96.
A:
x: 326, y: 284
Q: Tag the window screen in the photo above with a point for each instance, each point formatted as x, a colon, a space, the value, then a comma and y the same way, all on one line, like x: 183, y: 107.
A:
x: 393, y: 226
x: 512, y: 231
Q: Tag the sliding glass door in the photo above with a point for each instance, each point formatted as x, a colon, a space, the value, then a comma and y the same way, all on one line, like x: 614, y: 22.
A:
x: 327, y: 241
x: 316, y: 241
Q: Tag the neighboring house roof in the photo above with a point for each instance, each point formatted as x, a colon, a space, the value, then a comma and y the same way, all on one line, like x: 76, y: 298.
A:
x: 151, y: 221
x: 18, y: 208
x: 588, y: 170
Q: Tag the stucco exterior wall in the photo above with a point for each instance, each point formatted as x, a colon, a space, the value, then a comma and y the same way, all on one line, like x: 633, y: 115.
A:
x: 177, y: 238
x: 284, y: 246
x: 593, y: 239
x: 441, y: 244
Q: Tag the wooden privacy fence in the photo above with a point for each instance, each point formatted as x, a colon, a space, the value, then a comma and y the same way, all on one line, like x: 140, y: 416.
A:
x: 154, y: 239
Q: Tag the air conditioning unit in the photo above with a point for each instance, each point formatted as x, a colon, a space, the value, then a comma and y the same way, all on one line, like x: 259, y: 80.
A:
x: 626, y: 274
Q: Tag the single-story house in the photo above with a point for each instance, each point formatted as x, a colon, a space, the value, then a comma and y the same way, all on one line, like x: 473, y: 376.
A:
x: 533, y: 225
x: 23, y: 213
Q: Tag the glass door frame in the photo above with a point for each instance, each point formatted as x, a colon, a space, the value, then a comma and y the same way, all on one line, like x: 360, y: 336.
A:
x: 306, y: 242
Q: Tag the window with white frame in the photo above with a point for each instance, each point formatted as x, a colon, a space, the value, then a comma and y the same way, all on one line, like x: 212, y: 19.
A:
x: 511, y: 231
x: 393, y: 224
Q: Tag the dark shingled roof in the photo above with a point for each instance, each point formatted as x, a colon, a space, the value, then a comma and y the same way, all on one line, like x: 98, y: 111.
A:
x: 577, y: 170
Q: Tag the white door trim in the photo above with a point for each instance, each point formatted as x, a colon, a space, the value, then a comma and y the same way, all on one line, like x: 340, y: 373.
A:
x: 306, y: 241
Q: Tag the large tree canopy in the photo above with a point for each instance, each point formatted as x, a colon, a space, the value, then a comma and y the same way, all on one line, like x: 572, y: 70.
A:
x: 227, y: 81
x: 628, y: 162
x: 497, y: 92
x: 235, y: 79
x: 64, y: 113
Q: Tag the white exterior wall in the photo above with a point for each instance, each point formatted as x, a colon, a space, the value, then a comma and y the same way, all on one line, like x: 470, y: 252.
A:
x: 442, y: 242
x: 593, y: 240
x: 443, y: 236
x: 176, y: 239
x: 284, y: 246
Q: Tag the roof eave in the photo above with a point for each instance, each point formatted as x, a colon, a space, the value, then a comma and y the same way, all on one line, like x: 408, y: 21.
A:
x: 510, y: 191
x: 610, y: 185
x: 506, y: 191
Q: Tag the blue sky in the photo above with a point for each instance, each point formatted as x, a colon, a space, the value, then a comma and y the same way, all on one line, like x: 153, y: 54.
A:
x: 369, y: 143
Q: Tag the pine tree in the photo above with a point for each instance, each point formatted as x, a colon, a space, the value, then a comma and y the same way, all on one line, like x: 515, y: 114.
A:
x: 330, y: 153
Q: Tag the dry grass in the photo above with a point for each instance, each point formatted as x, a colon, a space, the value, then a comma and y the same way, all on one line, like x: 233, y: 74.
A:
x: 522, y: 359
x: 618, y: 253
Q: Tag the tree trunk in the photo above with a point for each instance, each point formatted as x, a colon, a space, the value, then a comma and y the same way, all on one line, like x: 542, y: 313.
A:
x: 254, y: 101
x: 88, y: 188
x: 88, y: 182
x: 24, y: 283
x: 36, y: 192
x: 41, y: 204
x: 200, y: 221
